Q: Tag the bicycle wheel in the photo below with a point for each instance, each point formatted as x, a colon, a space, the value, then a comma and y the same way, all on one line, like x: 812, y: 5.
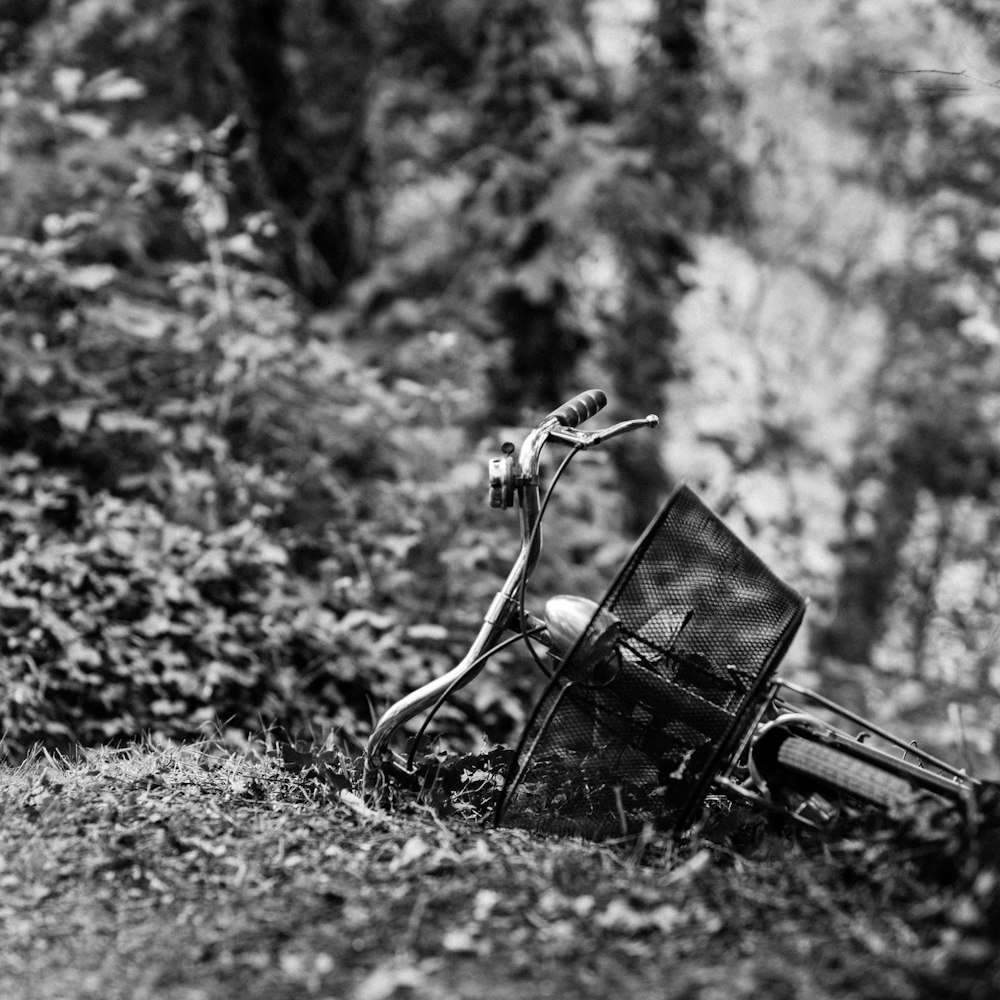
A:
x: 846, y: 774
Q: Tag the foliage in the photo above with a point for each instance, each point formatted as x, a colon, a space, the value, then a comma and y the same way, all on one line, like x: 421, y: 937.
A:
x: 159, y: 381
x: 521, y: 207
x: 117, y: 622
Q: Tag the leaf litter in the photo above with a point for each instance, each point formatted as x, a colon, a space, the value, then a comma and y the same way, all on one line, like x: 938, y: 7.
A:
x: 197, y: 871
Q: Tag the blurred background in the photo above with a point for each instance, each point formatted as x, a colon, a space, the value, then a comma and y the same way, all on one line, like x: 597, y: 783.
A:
x: 278, y: 276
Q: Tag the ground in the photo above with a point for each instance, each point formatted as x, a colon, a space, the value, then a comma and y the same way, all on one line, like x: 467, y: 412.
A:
x: 183, y: 873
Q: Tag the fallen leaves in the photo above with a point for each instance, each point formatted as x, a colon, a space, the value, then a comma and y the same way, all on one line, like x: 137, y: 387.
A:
x: 210, y: 874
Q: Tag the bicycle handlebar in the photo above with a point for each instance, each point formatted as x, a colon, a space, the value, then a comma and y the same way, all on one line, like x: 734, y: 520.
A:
x: 580, y: 408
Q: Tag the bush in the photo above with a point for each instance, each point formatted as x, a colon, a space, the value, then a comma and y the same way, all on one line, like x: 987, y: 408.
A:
x: 116, y: 621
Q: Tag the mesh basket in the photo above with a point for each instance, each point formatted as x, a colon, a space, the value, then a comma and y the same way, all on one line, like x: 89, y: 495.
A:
x: 701, y: 624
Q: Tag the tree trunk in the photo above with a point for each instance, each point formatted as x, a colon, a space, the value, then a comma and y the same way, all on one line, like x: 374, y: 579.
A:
x: 870, y: 564
x: 652, y: 239
x: 309, y: 133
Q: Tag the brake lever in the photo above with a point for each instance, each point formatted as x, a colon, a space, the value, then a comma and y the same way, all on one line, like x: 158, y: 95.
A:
x: 590, y: 439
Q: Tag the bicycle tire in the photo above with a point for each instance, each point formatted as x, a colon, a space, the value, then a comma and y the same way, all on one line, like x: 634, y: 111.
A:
x: 846, y: 774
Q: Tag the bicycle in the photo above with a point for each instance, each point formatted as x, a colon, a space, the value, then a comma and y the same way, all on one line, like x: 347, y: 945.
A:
x: 664, y: 692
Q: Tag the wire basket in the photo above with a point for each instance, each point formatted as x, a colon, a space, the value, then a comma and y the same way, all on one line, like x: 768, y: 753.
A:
x: 701, y: 623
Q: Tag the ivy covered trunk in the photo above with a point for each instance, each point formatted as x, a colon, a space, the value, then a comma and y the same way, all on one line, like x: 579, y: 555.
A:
x: 688, y: 184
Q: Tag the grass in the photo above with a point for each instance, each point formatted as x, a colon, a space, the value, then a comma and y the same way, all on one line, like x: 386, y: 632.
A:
x: 200, y: 872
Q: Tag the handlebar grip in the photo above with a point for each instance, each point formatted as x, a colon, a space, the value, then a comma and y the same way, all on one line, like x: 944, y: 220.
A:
x: 580, y: 408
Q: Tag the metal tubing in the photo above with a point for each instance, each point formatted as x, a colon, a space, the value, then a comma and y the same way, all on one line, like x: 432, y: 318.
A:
x: 504, y: 606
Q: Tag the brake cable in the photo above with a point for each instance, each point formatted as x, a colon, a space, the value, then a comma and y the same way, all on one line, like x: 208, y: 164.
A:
x: 509, y: 641
x: 526, y: 630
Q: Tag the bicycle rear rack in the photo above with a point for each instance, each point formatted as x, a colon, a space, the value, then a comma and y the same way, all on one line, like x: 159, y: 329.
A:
x: 925, y: 770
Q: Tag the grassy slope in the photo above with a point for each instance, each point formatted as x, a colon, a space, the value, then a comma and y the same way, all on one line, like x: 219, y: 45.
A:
x: 186, y: 873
